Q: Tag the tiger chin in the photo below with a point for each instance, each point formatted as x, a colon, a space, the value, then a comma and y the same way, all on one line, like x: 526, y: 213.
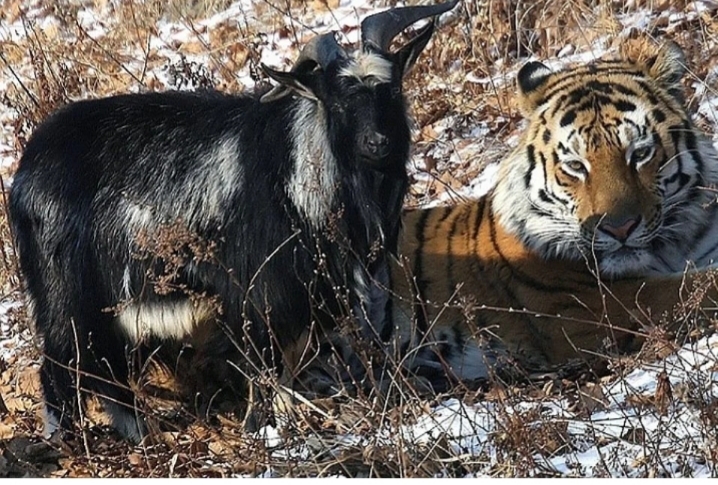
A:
x: 583, y: 241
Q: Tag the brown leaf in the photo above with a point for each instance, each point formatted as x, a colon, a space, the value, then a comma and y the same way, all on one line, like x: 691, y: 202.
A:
x: 29, y: 382
x: 664, y: 395
x: 220, y: 448
x: 429, y: 163
x: 197, y: 448
x: 639, y: 400
x: 18, y: 404
x: 11, y: 10
x: 192, y: 47
x: 238, y: 55
x: 592, y: 398
x: 6, y: 432
x: 324, y: 5
x: 135, y: 459
x: 428, y: 133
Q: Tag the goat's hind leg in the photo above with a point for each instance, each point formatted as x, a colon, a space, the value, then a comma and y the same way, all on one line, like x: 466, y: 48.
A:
x: 79, y: 363
x: 110, y: 361
x: 60, y: 386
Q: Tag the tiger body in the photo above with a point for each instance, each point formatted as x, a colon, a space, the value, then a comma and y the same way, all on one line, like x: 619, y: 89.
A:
x: 585, y: 236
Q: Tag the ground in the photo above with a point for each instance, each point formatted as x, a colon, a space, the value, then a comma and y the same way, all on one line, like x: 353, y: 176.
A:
x: 655, y: 414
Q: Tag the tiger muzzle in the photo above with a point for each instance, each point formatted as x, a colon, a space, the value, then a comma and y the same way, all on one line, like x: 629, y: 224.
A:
x: 619, y: 229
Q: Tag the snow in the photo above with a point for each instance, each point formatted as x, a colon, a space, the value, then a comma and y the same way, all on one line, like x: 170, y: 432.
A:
x: 674, y: 443
x: 11, y: 338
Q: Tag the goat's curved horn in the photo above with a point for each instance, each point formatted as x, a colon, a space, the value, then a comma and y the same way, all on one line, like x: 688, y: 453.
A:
x: 379, y: 29
x: 322, y: 50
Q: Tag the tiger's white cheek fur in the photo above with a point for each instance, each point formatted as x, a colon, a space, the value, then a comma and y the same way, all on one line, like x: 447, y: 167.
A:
x: 174, y: 320
x: 549, y: 227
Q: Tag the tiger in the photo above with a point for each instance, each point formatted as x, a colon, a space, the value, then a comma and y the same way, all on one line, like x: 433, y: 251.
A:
x: 583, y: 240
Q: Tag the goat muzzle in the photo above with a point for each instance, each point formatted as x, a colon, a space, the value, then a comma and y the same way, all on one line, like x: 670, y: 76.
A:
x: 374, y: 146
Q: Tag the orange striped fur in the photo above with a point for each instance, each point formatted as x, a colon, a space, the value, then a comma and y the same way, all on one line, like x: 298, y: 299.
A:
x: 585, y: 237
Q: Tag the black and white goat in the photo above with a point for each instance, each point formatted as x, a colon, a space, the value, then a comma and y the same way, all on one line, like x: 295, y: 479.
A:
x: 297, y: 194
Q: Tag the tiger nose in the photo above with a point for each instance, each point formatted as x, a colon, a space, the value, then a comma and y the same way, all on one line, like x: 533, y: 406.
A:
x: 620, y: 230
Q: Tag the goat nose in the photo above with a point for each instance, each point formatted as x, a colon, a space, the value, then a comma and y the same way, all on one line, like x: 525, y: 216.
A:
x: 377, y: 143
x: 621, y: 230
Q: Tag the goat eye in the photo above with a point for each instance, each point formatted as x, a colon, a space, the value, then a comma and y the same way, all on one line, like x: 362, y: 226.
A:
x: 574, y: 168
x: 641, y: 154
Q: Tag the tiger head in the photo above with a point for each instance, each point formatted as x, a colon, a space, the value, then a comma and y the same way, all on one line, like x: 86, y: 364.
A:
x: 610, y: 167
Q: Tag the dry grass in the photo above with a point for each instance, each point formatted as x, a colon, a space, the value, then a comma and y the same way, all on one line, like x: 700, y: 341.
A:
x: 456, y: 86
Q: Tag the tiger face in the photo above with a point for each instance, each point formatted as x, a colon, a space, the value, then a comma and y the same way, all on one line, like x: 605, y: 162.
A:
x: 610, y: 167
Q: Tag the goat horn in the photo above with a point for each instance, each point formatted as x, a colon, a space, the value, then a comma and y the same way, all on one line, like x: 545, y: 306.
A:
x: 322, y: 50
x: 379, y: 30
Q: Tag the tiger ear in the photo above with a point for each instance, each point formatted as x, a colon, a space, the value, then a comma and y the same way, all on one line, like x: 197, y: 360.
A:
x: 666, y: 64
x: 532, y: 79
x: 668, y: 67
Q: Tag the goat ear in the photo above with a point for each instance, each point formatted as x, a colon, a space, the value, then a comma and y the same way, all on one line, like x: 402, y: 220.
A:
x: 406, y: 56
x: 298, y: 82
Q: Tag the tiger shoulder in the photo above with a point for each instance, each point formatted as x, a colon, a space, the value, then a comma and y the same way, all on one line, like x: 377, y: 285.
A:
x: 584, y: 238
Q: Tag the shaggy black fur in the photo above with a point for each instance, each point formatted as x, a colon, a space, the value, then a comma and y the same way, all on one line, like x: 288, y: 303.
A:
x: 98, y: 174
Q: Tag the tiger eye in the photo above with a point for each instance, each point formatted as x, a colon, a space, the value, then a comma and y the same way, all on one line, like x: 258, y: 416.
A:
x: 641, y: 154
x: 575, y: 166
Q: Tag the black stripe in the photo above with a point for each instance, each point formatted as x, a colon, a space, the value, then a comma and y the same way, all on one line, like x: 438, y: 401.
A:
x: 593, y: 101
x: 578, y: 76
x: 418, y: 270
x: 675, y: 132
x: 558, y: 104
x: 479, y: 214
x: 545, y: 169
x: 546, y: 135
x: 648, y: 91
x: 692, y: 146
x: 518, y: 274
x: 659, y: 115
x: 603, y: 87
x: 659, y: 98
x: 561, y: 184
x: 624, y: 90
x: 624, y: 106
x: 556, y: 163
x: 568, y: 118
x: 476, y: 261
x: 513, y: 300
x: 531, y: 155
x: 421, y: 281
x: 449, y: 251
x: 543, y: 195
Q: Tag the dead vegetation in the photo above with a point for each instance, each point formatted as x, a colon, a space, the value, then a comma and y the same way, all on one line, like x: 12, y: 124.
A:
x: 462, y: 99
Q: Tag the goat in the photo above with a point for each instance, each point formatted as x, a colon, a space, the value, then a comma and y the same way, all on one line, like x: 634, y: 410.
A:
x: 295, y: 194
